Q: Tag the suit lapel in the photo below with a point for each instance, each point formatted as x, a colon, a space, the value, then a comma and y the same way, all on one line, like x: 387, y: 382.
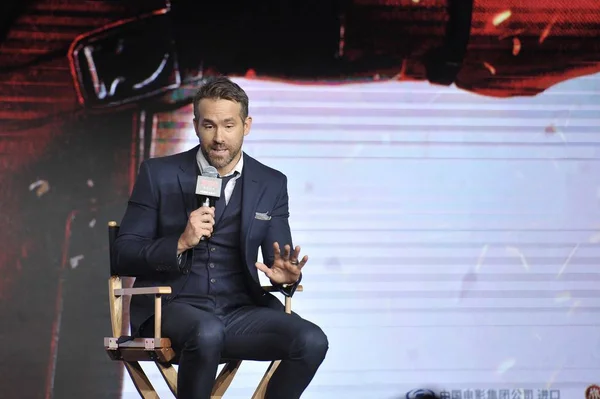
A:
x: 187, y: 178
x: 253, y: 189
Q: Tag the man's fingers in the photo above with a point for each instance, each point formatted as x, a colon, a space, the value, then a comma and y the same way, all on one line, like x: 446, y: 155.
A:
x: 276, y: 250
x: 203, y: 233
x: 202, y: 222
x: 294, y: 258
x: 204, y: 210
x: 299, y: 265
x: 207, y: 232
x: 286, y: 252
x: 288, y: 256
x: 203, y: 218
x: 303, y: 261
x: 265, y: 269
x: 296, y: 253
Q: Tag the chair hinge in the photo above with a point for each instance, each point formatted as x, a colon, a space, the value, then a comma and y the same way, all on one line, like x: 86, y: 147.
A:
x: 149, y: 343
x: 112, y: 344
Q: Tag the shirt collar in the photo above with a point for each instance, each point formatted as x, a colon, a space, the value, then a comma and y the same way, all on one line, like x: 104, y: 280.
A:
x: 203, y: 163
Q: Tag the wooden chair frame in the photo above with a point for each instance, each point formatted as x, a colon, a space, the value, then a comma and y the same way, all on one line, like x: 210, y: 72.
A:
x: 158, y: 349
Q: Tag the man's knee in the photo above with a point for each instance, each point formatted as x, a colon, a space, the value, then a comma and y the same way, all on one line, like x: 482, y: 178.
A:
x: 206, y: 337
x: 312, y: 342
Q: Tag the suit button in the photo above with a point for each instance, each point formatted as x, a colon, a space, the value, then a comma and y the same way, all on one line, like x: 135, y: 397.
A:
x: 213, y: 249
x: 212, y: 265
x: 212, y: 280
x: 186, y: 271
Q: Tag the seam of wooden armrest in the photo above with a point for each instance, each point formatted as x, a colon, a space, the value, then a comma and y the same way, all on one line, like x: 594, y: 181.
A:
x: 167, y: 290
x: 142, y: 291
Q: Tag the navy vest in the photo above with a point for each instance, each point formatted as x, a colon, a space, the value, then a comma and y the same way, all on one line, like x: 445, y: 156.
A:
x: 217, y: 281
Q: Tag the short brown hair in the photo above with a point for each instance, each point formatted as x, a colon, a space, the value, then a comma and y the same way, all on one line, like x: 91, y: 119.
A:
x: 221, y: 87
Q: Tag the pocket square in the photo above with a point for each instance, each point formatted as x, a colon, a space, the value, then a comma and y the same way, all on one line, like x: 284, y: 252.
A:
x: 262, y: 216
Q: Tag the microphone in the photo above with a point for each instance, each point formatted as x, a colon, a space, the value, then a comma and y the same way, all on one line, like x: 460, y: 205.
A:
x: 208, y: 186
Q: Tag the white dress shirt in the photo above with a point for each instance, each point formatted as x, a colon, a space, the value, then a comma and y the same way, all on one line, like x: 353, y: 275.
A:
x: 203, y: 163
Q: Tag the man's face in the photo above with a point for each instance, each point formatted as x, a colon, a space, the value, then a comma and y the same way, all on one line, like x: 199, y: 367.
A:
x: 221, y: 131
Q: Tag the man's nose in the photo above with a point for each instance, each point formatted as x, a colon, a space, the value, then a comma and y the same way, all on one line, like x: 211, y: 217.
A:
x: 218, y: 137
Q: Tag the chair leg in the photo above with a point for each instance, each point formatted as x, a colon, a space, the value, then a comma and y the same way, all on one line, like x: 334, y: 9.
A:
x: 141, y: 381
x: 261, y: 390
x: 224, y: 379
x: 170, y: 376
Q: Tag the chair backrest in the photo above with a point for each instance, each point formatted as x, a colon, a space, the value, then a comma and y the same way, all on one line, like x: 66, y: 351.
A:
x: 113, y: 232
x: 114, y: 282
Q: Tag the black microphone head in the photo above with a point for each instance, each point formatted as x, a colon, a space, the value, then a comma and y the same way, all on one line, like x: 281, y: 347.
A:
x: 210, y: 171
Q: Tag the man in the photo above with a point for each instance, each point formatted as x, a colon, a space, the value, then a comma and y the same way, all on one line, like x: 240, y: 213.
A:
x: 208, y: 255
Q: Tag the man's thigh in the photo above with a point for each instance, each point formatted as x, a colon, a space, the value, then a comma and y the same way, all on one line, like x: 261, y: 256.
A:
x: 261, y: 333
x: 180, y: 321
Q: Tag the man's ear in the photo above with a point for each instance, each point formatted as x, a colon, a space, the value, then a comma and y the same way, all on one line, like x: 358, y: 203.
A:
x: 247, y: 125
x: 195, y: 121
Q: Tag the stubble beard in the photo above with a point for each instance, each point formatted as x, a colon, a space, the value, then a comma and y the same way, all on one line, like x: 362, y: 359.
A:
x: 221, y: 162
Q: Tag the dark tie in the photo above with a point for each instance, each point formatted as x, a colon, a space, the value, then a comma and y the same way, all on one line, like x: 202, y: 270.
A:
x: 220, y: 203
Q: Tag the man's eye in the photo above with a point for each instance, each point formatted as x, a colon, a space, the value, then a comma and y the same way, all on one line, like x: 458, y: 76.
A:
x: 207, y: 126
x: 229, y: 126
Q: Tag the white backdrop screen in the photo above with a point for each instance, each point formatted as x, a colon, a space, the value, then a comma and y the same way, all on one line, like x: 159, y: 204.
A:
x: 453, y: 238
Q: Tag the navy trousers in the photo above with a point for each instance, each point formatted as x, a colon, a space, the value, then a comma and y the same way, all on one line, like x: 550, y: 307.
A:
x: 201, y: 338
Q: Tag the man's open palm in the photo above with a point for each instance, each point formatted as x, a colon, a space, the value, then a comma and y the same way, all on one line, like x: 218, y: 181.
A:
x: 286, y: 268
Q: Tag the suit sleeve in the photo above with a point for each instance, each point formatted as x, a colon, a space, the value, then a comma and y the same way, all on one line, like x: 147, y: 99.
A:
x: 279, y: 231
x: 138, y: 249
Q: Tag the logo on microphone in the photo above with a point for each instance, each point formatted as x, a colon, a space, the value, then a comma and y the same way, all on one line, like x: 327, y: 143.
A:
x: 208, y: 186
x: 210, y: 183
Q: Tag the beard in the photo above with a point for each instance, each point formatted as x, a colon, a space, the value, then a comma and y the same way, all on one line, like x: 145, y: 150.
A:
x: 220, y: 161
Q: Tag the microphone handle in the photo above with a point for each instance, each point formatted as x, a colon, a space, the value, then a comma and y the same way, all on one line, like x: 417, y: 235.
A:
x: 205, y: 202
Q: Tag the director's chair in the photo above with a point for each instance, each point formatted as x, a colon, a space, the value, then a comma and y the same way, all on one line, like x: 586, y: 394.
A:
x: 158, y: 349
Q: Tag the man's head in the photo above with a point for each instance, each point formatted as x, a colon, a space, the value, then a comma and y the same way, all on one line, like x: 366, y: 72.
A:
x: 221, y: 121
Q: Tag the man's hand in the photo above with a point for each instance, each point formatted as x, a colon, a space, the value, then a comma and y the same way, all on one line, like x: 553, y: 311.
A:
x: 200, y: 224
x: 286, y: 269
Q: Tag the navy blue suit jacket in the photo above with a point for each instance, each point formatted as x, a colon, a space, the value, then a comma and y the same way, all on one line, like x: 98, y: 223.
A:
x: 157, y: 213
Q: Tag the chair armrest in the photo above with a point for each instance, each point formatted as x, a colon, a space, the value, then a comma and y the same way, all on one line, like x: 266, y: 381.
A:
x: 142, y: 291
x: 270, y: 288
x: 288, y: 299
x: 157, y: 292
